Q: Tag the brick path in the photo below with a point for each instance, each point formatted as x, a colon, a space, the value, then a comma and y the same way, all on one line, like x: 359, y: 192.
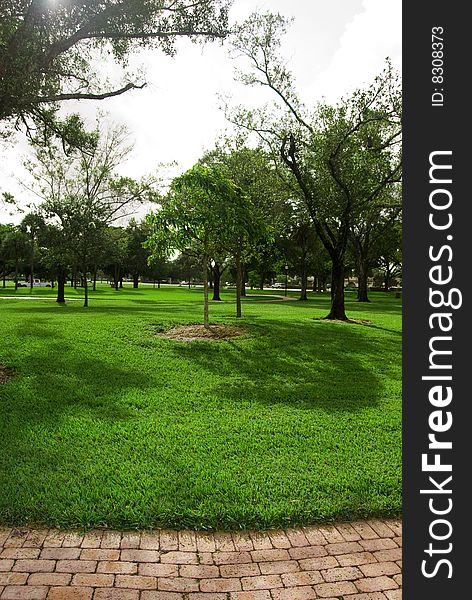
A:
x: 356, y: 561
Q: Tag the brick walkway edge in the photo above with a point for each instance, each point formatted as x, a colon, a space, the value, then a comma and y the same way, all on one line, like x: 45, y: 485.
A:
x: 355, y: 561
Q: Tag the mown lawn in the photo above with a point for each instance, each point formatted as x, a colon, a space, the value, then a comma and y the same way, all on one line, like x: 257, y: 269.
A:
x: 107, y: 424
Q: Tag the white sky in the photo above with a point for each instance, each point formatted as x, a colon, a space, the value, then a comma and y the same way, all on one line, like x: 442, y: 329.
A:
x: 332, y: 48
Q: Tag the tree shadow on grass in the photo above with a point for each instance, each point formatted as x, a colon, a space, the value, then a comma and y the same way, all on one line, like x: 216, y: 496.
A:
x: 128, y: 306
x: 333, y: 367
x: 55, y: 381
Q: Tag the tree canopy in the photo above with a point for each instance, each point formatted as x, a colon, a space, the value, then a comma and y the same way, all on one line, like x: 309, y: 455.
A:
x: 48, y: 47
x: 204, y: 210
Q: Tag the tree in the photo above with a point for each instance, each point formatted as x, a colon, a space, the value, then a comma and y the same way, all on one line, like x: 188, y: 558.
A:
x: 48, y: 47
x: 320, y: 266
x: 16, y: 249
x: 205, y: 211
x: 297, y: 246
x: 265, y: 261
x: 338, y: 166
x: 389, y: 254
x: 58, y: 257
x: 32, y: 224
x: 5, y: 231
x: 186, y: 267
x: 114, y: 254
x: 136, y: 255
x: 252, y: 170
x: 367, y: 240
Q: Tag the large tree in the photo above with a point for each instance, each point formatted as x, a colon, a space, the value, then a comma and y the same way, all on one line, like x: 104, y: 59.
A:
x: 48, y: 49
x: 337, y: 163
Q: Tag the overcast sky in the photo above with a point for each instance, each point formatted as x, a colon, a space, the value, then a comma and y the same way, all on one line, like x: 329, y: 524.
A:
x: 332, y: 48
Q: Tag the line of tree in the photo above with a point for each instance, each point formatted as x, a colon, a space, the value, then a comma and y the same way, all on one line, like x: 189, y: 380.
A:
x: 321, y: 191
x: 232, y: 212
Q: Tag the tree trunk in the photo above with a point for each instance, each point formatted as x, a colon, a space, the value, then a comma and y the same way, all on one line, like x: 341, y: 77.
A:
x: 4, y: 276
x: 337, y: 292
x: 216, y: 282
x: 363, y: 270
x: 316, y: 284
x: 303, y: 294
x: 158, y: 284
x: 31, y: 272
x: 95, y: 279
x: 210, y: 277
x: 387, y: 278
x: 206, y: 321
x: 121, y: 282
x: 85, y: 290
x: 239, y: 285
x: 135, y: 281
x: 261, y: 281
x: 116, y: 278
x: 61, y: 282
x: 243, y: 281
x: 16, y: 274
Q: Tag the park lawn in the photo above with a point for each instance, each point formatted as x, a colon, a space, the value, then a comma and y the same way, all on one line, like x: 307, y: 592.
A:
x: 107, y: 424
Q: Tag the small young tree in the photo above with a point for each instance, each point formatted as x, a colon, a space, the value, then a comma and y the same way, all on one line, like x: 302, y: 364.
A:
x: 203, y: 210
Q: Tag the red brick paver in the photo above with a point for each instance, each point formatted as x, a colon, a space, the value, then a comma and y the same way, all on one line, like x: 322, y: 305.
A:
x: 357, y: 561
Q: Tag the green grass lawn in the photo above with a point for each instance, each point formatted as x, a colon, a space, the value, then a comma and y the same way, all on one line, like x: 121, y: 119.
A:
x: 107, y: 424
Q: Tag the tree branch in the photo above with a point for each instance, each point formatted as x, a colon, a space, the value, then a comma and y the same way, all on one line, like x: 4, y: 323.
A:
x: 80, y: 96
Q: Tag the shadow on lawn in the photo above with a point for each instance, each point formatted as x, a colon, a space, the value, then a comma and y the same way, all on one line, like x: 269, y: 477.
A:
x: 56, y: 395
x: 127, y: 306
x: 304, y: 365
x: 59, y: 380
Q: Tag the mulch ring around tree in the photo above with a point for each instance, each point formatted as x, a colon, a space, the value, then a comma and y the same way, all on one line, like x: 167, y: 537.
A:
x: 350, y: 321
x: 5, y: 374
x: 191, y: 333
